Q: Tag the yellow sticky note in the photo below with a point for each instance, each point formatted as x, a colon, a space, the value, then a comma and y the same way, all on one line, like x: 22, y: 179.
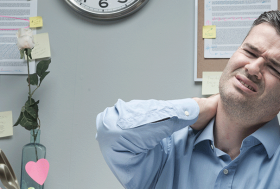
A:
x: 210, y: 82
x: 6, y: 124
x: 42, y: 46
x: 36, y: 22
x: 209, y: 31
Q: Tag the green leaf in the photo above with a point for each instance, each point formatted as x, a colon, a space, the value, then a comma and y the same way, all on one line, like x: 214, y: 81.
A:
x: 19, y: 119
x: 43, y: 76
x: 33, y: 103
x: 42, y: 67
x: 28, y: 101
x: 21, y: 53
x: 33, y: 79
x: 28, y: 122
x: 29, y: 117
x: 33, y: 111
x: 29, y: 53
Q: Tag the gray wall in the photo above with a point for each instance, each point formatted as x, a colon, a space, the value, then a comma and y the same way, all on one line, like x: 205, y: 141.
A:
x: 148, y: 55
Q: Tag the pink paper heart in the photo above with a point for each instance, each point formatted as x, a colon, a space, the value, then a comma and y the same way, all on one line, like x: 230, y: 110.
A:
x: 38, y: 171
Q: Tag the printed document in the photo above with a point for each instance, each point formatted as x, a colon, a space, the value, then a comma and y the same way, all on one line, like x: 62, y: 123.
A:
x: 6, y: 124
x: 14, y: 15
x: 233, y: 20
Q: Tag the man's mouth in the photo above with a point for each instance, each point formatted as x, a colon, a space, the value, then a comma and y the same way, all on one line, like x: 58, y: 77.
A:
x: 248, y: 86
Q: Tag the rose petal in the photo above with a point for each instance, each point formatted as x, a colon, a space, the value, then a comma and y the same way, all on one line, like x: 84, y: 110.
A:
x: 25, y: 42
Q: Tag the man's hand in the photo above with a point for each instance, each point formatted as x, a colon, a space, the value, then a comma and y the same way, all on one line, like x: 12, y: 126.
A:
x: 208, y: 109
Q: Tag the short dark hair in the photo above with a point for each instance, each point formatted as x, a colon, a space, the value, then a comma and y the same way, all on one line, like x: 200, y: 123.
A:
x: 270, y: 17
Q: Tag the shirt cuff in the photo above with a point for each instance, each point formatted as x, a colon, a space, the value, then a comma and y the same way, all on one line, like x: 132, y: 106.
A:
x: 184, y: 109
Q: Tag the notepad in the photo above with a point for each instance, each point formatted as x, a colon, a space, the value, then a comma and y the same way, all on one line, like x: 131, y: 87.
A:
x: 6, y: 124
x: 209, y: 32
x: 36, y: 22
x: 210, y: 82
x: 42, y: 46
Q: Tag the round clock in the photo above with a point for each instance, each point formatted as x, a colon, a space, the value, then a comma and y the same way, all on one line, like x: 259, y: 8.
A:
x: 106, y: 9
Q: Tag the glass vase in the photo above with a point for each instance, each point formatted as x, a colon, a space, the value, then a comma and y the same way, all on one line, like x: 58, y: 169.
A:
x: 31, y: 152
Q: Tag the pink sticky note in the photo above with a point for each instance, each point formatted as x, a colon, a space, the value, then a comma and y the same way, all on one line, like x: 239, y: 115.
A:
x: 38, y: 171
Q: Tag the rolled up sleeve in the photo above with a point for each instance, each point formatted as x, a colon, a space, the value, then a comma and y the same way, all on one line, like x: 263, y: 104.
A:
x: 130, y: 135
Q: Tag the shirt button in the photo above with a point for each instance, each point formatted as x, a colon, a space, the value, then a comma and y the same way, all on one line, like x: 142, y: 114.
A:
x: 225, y: 171
x: 187, y: 113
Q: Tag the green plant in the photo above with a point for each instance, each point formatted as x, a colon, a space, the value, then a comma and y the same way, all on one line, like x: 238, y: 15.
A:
x: 28, y: 117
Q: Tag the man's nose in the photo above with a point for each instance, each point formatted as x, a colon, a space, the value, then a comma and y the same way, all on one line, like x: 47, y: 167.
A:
x: 254, y: 67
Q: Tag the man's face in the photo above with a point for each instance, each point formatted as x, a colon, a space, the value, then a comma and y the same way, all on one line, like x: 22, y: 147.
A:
x: 250, y: 83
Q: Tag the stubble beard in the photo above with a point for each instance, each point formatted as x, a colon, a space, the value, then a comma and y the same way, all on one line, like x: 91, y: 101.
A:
x: 244, y: 109
x: 238, y: 107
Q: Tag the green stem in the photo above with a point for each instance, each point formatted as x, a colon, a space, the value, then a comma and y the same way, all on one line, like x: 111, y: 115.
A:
x: 30, y: 96
x: 39, y: 125
x: 28, y: 75
x: 35, y: 137
x: 35, y: 90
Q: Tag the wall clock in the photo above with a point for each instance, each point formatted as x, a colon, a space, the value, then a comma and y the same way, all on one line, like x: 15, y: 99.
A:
x: 106, y: 9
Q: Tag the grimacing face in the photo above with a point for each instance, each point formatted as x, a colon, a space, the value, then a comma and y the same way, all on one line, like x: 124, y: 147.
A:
x: 250, y: 83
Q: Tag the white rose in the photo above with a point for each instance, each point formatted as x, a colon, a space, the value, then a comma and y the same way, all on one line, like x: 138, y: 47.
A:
x: 25, y: 39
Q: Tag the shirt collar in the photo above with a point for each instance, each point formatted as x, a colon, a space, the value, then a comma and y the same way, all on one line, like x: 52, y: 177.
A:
x: 269, y: 136
x: 207, y: 133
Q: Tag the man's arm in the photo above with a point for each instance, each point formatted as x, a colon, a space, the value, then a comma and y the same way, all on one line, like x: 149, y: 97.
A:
x: 208, y: 109
x: 130, y: 136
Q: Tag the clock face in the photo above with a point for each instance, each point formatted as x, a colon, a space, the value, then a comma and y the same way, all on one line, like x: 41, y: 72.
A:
x: 106, y: 9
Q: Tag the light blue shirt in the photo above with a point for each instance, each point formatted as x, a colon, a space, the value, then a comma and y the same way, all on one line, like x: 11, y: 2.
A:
x: 144, y: 154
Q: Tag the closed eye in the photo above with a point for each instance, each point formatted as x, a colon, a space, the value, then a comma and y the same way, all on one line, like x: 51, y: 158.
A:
x: 274, y: 70
x: 252, y: 54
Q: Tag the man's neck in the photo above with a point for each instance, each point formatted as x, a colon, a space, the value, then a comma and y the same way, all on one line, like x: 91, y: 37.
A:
x: 229, y: 131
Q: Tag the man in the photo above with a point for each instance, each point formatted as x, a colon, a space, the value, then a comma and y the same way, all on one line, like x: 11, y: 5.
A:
x: 148, y: 144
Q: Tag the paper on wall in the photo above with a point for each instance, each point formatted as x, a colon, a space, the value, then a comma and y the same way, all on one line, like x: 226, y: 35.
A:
x: 210, y: 82
x: 6, y: 124
x: 36, y: 22
x: 13, y: 15
x: 233, y: 20
x: 209, y: 32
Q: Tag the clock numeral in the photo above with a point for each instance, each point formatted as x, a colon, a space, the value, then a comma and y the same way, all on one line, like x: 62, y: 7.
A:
x: 103, y: 4
x: 124, y: 1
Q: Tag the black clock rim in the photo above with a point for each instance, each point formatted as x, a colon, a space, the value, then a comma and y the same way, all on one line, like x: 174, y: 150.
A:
x: 107, y: 15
